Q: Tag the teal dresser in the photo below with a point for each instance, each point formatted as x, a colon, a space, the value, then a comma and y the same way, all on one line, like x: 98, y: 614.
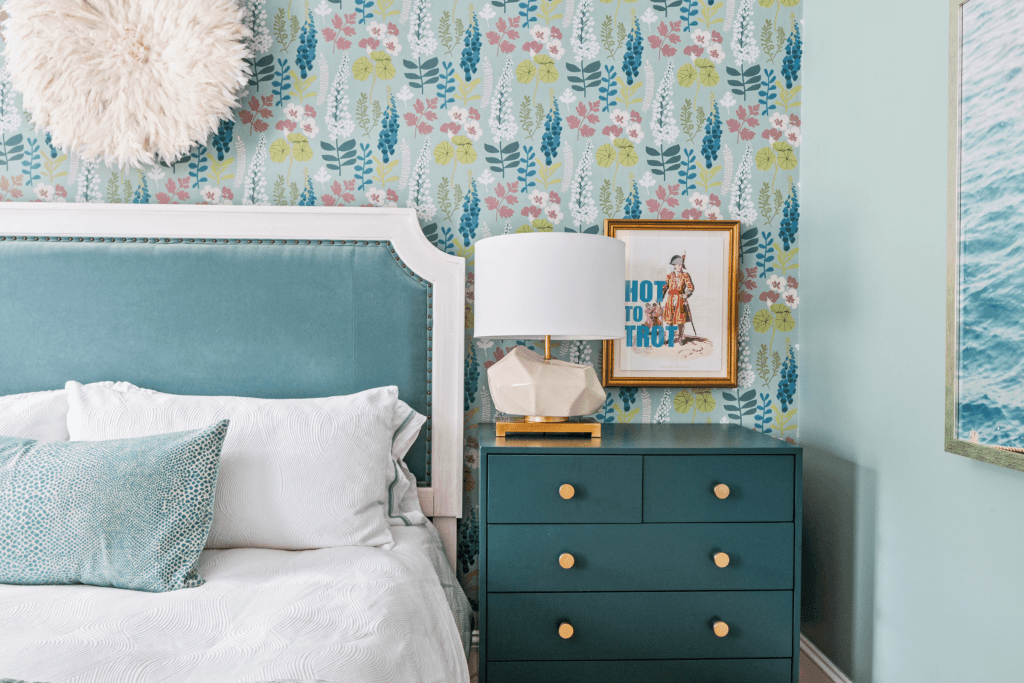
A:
x: 656, y: 554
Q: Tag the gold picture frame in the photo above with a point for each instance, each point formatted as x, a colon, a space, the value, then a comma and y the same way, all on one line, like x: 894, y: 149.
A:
x: 959, y: 39
x: 659, y: 294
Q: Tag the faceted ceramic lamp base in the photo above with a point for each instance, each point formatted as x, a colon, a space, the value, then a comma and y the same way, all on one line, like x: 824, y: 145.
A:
x: 523, y: 383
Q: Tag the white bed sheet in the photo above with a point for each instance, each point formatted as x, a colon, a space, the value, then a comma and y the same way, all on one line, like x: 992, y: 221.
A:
x: 344, y: 615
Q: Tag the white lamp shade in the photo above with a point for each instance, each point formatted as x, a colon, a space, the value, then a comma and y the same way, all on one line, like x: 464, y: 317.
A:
x: 567, y: 285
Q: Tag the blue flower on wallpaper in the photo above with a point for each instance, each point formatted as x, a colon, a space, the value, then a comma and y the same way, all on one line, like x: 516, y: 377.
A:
x: 470, y: 214
x: 552, y: 137
x: 632, y: 208
x: 306, y: 51
x: 787, y: 382
x: 712, y: 137
x: 221, y: 141
x: 790, y: 219
x: 633, y: 56
x: 471, y: 49
x: 794, y: 53
x: 388, y: 137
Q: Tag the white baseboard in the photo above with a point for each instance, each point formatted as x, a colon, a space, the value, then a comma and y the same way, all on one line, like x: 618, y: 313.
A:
x: 810, y: 652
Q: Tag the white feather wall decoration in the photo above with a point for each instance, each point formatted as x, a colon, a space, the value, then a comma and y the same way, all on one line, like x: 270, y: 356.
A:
x: 127, y: 81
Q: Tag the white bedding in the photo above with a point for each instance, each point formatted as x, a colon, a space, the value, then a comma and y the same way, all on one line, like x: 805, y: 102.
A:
x: 345, y: 615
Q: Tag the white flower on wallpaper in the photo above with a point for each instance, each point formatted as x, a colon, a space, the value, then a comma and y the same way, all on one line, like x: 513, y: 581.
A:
x: 664, y: 126
x: 255, y: 191
x: 420, y: 197
x: 503, y: 119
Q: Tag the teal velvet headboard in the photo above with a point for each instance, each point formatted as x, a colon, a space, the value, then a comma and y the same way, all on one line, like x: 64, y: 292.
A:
x: 245, y: 301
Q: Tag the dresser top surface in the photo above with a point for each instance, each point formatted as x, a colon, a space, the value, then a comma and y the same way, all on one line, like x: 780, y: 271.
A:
x: 643, y: 439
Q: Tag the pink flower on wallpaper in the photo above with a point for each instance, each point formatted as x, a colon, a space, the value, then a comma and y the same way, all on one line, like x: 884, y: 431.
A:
x: 716, y: 53
x: 531, y: 211
x: 779, y: 120
x: 554, y: 197
x: 769, y: 297
x: 539, y: 198
x: 791, y: 282
x: 635, y: 133
x: 555, y: 49
x: 745, y: 297
x: 793, y: 136
x: 286, y: 125
x: 612, y: 132
x: 794, y: 120
x: 533, y: 47
x: 771, y: 134
x: 716, y: 37
x: 342, y: 28
x: 619, y: 118
x: 586, y: 116
x: 293, y: 112
x: 790, y: 298
x: 701, y: 38
x: 423, y: 111
x: 504, y: 197
x: 176, y: 190
x: 694, y: 51
x: 714, y: 213
x: 553, y: 214
x: 691, y: 215
x: 340, y: 194
x: 503, y: 37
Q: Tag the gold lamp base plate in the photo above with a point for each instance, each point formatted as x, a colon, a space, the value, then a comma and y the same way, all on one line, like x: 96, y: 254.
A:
x: 525, y: 426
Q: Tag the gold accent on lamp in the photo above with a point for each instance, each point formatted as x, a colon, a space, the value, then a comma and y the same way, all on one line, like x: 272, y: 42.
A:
x: 547, y: 286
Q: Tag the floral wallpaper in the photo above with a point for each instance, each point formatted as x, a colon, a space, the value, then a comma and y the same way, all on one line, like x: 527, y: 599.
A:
x: 502, y: 116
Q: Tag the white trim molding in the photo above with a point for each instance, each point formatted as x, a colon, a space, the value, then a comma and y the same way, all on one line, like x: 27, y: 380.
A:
x: 810, y: 652
x: 443, y: 499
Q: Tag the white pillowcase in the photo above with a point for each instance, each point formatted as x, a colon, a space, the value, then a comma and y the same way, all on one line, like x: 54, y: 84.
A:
x: 294, y: 474
x: 403, y: 499
x: 39, y: 415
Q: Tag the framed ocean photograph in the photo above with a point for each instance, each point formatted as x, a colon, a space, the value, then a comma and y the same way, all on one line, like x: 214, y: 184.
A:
x: 985, y: 271
x: 681, y: 304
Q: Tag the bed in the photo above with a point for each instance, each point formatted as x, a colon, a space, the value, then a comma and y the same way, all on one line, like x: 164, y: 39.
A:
x: 263, y: 302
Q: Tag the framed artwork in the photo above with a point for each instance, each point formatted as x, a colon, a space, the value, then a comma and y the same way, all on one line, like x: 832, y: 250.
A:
x: 985, y: 239
x: 681, y: 304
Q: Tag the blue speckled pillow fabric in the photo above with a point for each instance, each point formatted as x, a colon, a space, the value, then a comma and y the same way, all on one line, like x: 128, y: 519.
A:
x: 130, y: 513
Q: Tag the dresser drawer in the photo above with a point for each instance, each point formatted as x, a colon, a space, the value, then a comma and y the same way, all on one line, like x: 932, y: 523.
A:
x: 639, y: 557
x: 666, y: 671
x: 528, y: 488
x: 682, y: 488
x: 525, y: 626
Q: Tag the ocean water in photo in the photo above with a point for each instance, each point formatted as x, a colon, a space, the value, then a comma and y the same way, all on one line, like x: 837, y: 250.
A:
x: 991, y: 370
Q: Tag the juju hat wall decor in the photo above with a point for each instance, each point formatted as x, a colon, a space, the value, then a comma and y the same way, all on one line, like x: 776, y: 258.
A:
x: 128, y: 81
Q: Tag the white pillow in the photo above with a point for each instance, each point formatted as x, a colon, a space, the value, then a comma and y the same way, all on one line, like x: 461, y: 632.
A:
x: 39, y: 415
x: 403, y: 499
x: 294, y: 474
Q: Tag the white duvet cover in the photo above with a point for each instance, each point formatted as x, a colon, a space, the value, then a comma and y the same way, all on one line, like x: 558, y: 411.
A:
x: 344, y: 615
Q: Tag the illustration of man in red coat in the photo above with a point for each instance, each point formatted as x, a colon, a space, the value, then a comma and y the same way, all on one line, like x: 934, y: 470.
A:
x: 675, y: 293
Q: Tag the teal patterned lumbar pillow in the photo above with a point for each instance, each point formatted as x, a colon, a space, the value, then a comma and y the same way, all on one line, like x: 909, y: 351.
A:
x: 130, y: 513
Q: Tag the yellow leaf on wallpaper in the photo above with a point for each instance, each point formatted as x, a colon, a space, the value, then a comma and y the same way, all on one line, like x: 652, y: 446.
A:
x: 526, y: 71
x: 686, y: 76
x: 362, y: 68
x: 280, y: 150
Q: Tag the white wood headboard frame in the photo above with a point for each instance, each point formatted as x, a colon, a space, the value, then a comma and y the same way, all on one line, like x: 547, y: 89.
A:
x: 443, y: 499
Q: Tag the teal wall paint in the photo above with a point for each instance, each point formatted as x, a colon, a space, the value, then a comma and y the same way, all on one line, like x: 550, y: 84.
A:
x: 443, y: 84
x: 913, y: 556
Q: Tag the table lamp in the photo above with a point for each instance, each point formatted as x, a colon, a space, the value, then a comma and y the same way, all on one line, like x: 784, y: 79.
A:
x: 548, y: 286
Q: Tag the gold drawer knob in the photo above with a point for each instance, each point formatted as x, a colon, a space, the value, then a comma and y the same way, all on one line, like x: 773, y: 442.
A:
x: 721, y: 491
x: 565, y: 630
x: 721, y: 560
x: 566, y: 491
x: 566, y: 560
x: 721, y: 628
